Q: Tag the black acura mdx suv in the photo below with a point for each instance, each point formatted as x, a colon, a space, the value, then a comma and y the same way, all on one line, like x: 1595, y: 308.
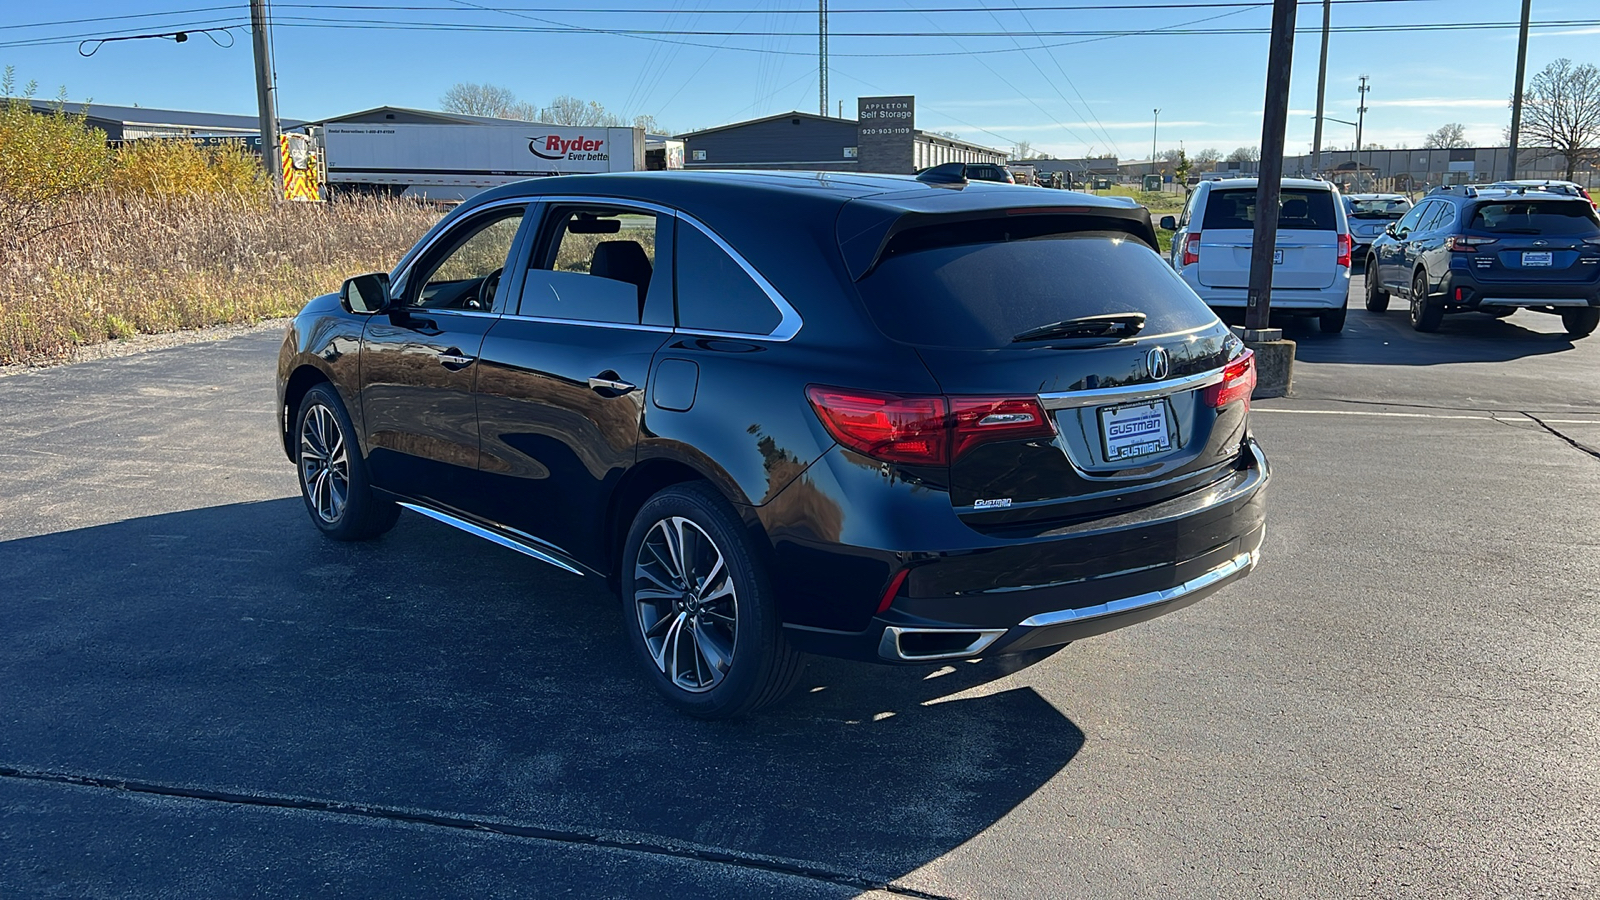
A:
x: 783, y: 413
x: 1491, y: 250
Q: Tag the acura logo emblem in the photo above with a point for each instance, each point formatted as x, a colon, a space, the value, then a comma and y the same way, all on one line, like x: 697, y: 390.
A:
x: 1158, y: 362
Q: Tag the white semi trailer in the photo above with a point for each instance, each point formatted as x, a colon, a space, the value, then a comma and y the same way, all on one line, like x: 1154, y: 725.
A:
x: 453, y: 162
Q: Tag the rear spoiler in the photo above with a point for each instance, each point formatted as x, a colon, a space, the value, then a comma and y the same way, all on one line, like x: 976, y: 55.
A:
x: 865, y: 227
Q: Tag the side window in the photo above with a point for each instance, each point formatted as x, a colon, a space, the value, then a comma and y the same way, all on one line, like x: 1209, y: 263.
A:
x: 714, y: 291
x: 1409, y: 221
x: 1442, y: 219
x: 1188, y: 210
x: 597, y: 264
x: 463, y: 272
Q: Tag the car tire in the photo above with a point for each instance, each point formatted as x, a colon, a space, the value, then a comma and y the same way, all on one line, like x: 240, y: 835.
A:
x: 1377, y: 297
x: 1425, y: 316
x: 334, y: 482
x: 1581, y: 322
x: 699, y: 610
x: 1332, y: 321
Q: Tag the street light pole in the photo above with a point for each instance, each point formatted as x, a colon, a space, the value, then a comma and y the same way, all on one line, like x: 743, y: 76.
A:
x: 1322, y: 88
x: 1361, y: 118
x: 1153, y: 126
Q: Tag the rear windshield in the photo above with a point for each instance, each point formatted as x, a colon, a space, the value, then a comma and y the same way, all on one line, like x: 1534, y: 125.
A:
x: 1565, y: 217
x: 969, y: 286
x: 1304, y: 210
x: 1378, y: 209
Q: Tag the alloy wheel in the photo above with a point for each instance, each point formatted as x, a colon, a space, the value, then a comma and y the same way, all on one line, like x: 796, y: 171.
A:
x: 324, y: 463
x: 686, y: 604
x: 1419, y: 298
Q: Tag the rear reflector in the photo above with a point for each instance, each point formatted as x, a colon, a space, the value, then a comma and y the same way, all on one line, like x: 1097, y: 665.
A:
x: 928, y: 430
x: 1238, y: 381
x: 893, y: 588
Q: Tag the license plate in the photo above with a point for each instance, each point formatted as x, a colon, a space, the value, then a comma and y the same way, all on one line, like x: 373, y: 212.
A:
x: 1277, y: 257
x: 1139, y: 429
x: 1538, y: 258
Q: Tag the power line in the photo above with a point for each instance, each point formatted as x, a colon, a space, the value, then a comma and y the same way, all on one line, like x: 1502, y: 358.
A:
x: 667, y: 35
x: 626, y: 10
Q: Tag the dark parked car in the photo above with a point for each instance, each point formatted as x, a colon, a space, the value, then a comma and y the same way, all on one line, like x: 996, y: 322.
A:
x: 956, y: 172
x: 1492, y: 251
x: 783, y: 413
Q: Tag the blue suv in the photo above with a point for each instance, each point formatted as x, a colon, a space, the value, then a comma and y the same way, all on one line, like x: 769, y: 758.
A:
x: 1492, y: 251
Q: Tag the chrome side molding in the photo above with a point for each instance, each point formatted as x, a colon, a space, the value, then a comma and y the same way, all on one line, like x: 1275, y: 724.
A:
x: 1236, y: 566
x: 495, y: 537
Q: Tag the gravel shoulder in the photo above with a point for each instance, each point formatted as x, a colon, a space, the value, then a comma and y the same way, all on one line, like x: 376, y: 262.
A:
x: 143, y: 343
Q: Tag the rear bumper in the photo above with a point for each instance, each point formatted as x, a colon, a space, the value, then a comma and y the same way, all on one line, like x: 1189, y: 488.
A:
x: 1065, y: 585
x: 1478, y: 294
x: 1331, y: 297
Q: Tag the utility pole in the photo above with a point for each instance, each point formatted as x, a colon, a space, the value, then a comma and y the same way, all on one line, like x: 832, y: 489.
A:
x: 1274, y: 122
x: 1516, y: 96
x: 1153, y: 126
x: 266, y: 98
x: 822, y: 57
x: 1361, y: 117
x: 1322, y: 89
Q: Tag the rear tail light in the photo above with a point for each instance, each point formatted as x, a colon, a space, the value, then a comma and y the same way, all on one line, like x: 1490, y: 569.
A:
x: 1344, y: 250
x: 1238, y: 382
x: 1191, y: 249
x: 1466, y: 243
x: 922, y: 429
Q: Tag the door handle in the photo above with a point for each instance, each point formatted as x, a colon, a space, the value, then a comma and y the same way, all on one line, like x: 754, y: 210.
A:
x: 453, y: 357
x: 612, y: 384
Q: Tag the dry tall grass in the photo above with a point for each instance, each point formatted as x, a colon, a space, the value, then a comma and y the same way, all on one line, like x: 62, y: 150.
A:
x: 112, y: 266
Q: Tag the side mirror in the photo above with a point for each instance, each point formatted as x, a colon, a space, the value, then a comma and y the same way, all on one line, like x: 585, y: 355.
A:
x: 1391, y: 229
x: 366, y: 293
x: 1168, y: 223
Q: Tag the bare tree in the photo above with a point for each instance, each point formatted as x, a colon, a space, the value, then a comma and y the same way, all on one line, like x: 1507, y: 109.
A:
x: 1561, y: 111
x: 1207, y: 159
x: 1449, y: 136
x: 486, y: 100
x: 1171, y: 155
x: 569, y: 110
x: 1022, y: 150
x: 1245, y: 154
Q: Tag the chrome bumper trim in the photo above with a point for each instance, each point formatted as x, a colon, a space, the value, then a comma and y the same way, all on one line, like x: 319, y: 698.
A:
x: 1236, y: 566
x: 1533, y: 301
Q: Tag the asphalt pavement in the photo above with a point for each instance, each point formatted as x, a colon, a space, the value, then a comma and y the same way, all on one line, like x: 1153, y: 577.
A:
x: 203, y: 697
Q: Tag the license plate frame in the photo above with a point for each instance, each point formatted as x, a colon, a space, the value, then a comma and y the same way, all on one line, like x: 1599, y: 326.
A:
x: 1538, y: 259
x: 1131, y: 431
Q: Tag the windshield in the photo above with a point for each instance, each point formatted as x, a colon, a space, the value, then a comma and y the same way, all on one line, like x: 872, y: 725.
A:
x: 1388, y: 208
x: 1557, y: 217
x: 978, y: 290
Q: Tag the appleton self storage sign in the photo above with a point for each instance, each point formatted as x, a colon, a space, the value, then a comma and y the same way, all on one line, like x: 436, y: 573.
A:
x: 456, y: 161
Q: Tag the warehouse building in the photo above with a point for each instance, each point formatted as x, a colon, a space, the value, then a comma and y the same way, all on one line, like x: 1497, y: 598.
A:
x: 798, y: 140
x: 128, y: 123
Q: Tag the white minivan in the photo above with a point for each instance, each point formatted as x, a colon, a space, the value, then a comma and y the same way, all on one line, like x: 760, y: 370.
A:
x: 1311, y: 275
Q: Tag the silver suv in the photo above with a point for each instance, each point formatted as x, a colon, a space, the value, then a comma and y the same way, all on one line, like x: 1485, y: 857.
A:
x: 1311, y: 275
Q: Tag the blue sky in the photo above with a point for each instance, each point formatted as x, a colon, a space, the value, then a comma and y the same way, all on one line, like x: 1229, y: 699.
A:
x: 1084, y: 94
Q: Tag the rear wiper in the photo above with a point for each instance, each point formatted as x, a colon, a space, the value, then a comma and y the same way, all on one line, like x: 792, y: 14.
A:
x: 1115, y: 325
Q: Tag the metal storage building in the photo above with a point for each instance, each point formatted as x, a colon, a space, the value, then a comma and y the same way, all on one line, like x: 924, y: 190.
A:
x: 798, y: 140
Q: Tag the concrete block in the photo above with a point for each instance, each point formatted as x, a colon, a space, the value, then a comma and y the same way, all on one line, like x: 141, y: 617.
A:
x: 1274, y: 368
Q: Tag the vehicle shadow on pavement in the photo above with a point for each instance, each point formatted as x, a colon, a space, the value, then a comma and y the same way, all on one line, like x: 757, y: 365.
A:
x: 234, y: 649
x: 1388, y: 339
